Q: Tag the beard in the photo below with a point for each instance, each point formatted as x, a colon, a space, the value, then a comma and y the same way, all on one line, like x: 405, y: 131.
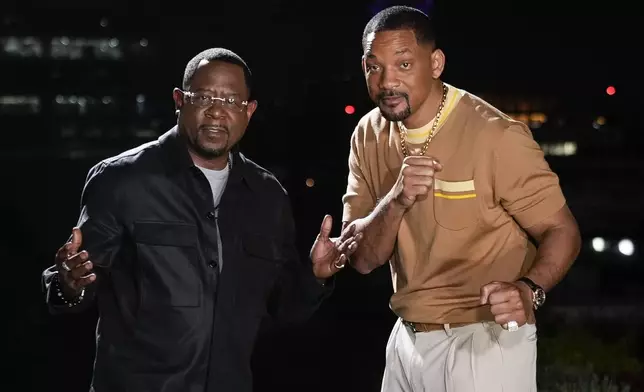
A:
x: 209, y: 145
x: 209, y: 152
x: 390, y: 113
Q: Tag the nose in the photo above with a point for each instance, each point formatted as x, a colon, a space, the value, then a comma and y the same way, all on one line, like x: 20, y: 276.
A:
x: 215, y: 110
x: 389, y: 79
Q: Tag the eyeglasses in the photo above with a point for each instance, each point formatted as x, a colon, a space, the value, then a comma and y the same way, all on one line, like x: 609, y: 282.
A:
x: 204, y: 100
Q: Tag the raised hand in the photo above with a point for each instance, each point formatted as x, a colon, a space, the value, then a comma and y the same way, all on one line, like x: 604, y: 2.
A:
x: 415, y: 180
x: 74, y: 267
x: 329, y: 255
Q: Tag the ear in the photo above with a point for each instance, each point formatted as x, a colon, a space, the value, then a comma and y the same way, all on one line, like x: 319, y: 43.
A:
x: 250, y: 109
x: 177, y: 97
x: 438, y: 63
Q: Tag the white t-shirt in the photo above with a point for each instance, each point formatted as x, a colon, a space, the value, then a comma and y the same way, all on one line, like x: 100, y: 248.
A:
x: 217, y: 180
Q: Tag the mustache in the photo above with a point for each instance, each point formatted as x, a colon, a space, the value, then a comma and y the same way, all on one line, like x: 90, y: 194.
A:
x: 391, y: 93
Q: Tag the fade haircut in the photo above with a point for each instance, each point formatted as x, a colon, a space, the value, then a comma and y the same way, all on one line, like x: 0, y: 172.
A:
x: 215, y: 54
x: 401, y: 17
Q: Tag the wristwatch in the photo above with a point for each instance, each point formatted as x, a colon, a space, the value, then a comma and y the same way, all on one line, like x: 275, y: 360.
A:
x: 538, y: 294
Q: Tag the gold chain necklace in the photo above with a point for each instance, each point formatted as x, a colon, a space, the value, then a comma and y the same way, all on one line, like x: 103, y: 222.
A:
x: 403, y: 129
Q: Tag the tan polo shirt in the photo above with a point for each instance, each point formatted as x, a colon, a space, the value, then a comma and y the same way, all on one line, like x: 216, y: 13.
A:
x: 495, y: 180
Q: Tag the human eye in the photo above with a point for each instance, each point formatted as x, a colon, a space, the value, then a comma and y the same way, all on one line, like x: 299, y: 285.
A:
x: 372, y: 67
x: 202, y: 99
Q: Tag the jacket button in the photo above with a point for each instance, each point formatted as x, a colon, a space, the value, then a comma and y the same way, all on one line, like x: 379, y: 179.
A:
x: 211, y: 216
x: 212, y: 264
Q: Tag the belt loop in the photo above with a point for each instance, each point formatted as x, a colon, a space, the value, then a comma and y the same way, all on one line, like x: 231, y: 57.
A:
x: 448, y: 330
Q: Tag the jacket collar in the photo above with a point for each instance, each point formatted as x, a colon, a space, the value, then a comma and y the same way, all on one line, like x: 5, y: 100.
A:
x: 177, y: 158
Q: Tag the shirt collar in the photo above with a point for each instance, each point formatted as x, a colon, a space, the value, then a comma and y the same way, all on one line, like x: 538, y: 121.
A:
x: 177, y: 158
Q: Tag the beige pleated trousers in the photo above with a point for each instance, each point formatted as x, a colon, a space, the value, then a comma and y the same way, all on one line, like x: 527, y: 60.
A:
x: 480, y: 357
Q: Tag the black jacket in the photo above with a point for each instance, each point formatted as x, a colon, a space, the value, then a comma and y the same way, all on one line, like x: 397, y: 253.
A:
x: 168, y: 319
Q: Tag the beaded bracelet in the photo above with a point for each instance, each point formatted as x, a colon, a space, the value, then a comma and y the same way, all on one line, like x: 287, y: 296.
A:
x: 59, y: 291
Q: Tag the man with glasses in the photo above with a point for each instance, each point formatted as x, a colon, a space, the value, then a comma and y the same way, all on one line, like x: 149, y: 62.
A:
x: 187, y: 246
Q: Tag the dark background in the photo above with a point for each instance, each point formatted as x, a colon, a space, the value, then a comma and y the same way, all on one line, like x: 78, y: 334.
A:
x: 81, y: 82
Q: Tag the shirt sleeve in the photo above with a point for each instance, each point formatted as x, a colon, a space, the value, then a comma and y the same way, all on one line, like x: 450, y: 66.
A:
x: 99, y: 223
x: 102, y: 232
x: 297, y: 293
x: 525, y: 185
x: 359, y: 199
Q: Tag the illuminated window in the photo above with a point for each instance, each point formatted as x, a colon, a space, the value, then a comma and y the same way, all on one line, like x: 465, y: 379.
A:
x: 22, y: 46
x: 71, y: 104
x: 108, y: 48
x: 81, y: 105
x: 533, y: 120
x: 63, y: 47
x: 19, y: 104
x: 538, y: 117
x: 559, y: 149
x: 77, y: 48
x: 537, y: 120
x: 522, y: 117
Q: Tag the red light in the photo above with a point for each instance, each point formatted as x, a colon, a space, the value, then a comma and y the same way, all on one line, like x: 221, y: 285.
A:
x: 610, y: 90
x: 349, y: 109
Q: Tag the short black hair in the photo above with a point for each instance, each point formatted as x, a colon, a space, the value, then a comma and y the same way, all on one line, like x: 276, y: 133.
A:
x: 401, y: 17
x: 215, y: 54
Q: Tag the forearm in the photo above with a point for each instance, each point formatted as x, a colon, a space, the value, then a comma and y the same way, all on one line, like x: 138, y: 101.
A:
x: 557, y: 251
x: 380, y: 231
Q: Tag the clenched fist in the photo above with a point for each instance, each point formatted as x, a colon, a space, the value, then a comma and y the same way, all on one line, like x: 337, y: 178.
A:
x: 415, y: 180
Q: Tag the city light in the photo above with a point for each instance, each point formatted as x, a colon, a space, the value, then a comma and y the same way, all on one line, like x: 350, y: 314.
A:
x: 310, y: 182
x: 610, y: 90
x: 562, y: 149
x: 626, y: 247
x: 349, y: 109
x: 599, y: 244
x: 599, y: 122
